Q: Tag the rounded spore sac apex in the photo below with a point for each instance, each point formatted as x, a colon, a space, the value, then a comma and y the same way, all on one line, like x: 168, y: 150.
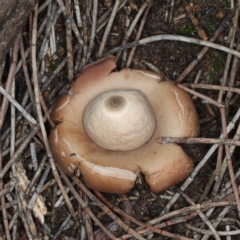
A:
x: 119, y: 120
x: 115, y: 103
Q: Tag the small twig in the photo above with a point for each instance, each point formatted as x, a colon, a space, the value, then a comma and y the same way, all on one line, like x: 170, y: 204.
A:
x: 207, y: 232
x: 18, y: 119
x: 52, y: 37
x: 143, y: 21
x: 23, y: 218
x: 131, y: 218
x: 191, y: 214
x: 232, y: 76
x: 219, y: 162
x: 83, y: 205
x: 69, y: 40
x: 36, y: 175
x: 93, y: 30
x: 44, y: 5
x: 229, y: 160
x: 219, y: 219
x: 13, y: 222
x: 37, y: 191
x: 85, y: 216
x: 52, y: 9
x: 19, y: 150
x: 34, y: 156
x: 27, y: 215
x: 85, y: 34
x: 57, y: 71
x: 12, y: 150
x: 221, y: 28
x: 107, y: 210
x: 60, y: 200
x: 78, y: 13
x: 2, y: 117
x: 129, y: 31
x: 104, y: 17
x: 9, y: 205
x: 201, y: 215
x: 41, y: 122
x: 213, y: 87
x: 108, y: 28
x: 18, y: 106
x: 74, y: 26
x: 27, y: 78
x: 152, y: 67
x: 224, y: 164
x: 215, y: 175
x: 46, y: 111
x: 200, y: 165
x: 54, y: 199
x: 200, y: 95
x: 48, y: 185
x: 63, y: 227
x: 163, y: 140
x: 208, y: 187
x: 8, y: 187
x: 7, y: 90
x: 172, y: 38
x: 229, y: 56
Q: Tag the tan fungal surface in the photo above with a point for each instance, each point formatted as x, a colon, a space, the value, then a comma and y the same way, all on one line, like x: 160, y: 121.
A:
x: 108, y: 126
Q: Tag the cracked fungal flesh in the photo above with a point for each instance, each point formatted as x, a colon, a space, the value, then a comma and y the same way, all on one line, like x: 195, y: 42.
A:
x: 111, y: 165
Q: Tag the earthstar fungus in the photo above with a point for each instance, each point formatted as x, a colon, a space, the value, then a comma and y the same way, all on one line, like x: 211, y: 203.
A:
x: 108, y: 124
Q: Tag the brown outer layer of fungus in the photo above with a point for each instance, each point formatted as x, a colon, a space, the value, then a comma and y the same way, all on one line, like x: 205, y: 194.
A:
x: 116, y: 171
